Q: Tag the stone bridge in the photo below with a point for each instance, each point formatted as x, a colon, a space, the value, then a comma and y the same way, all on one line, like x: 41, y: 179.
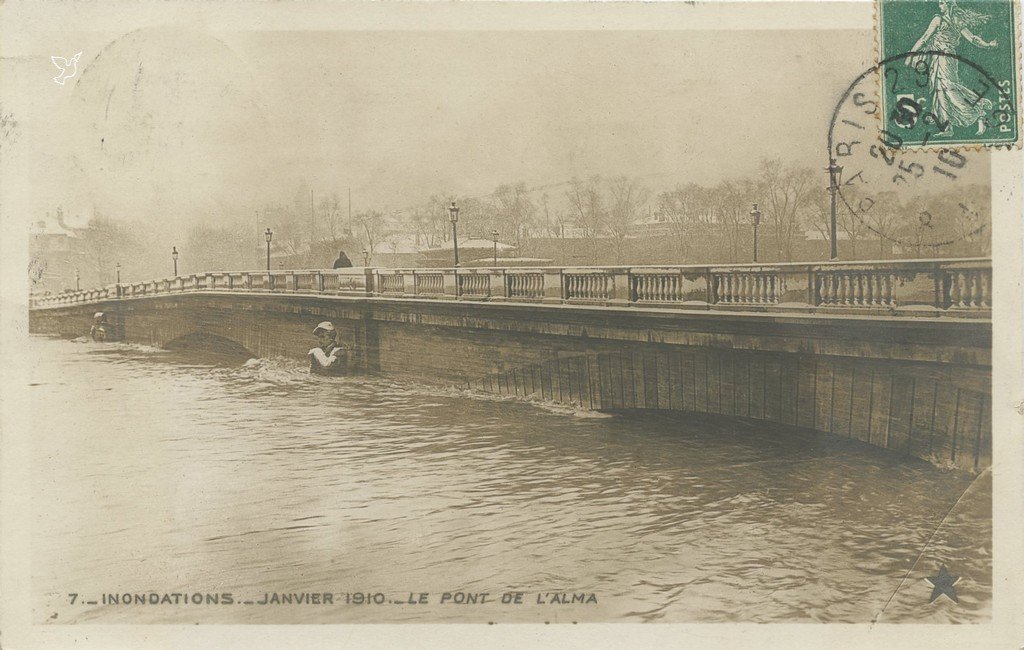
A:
x: 894, y: 354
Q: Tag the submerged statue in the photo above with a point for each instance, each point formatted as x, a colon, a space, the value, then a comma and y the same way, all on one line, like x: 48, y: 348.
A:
x: 99, y: 328
x: 330, y: 357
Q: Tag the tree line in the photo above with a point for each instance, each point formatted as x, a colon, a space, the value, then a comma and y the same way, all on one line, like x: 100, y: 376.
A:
x: 618, y: 219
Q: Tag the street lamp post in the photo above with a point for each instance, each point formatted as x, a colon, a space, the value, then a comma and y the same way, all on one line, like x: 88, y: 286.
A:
x: 78, y: 281
x: 494, y: 237
x: 118, y: 273
x: 269, y: 235
x: 366, y: 257
x: 453, y: 214
x: 833, y: 187
x: 174, y: 256
x: 755, y: 216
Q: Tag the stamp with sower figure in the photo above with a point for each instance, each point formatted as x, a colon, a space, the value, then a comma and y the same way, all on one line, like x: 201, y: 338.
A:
x: 949, y: 73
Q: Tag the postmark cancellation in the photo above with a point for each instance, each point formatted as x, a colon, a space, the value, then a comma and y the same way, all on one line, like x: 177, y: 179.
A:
x: 950, y: 73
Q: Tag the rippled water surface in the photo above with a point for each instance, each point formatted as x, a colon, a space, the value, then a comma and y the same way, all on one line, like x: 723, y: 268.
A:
x: 176, y: 473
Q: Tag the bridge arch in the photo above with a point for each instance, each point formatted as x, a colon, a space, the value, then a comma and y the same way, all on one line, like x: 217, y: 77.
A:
x: 209, y: 343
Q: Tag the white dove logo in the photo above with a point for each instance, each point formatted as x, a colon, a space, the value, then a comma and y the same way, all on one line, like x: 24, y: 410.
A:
x: 68, y: 68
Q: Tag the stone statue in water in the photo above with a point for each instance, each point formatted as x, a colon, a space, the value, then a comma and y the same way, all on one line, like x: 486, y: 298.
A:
x: 329, y: 358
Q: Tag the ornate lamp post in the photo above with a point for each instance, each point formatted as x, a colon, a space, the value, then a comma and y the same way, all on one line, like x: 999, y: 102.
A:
x: 366, y: 257
x: 755, y: 216
x: 494, y: 238
x: 118, y: 272
x: 269, y: 235
x: 833, y: 187
x: 453, y: 215
x: 78, y: 281
x: 174, y: 256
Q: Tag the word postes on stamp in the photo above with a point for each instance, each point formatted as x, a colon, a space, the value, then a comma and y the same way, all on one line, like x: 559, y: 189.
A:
x: 949, y: 75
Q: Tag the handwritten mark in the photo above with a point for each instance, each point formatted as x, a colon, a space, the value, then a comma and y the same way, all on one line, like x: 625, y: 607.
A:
x: 68, y: 67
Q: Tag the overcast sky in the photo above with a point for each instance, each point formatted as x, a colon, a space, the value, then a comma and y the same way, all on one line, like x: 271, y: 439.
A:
x: 178, y: 125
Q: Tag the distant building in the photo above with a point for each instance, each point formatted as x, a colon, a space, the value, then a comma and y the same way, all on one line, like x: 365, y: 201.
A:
x: 652, y: 227
x: 54, y: 255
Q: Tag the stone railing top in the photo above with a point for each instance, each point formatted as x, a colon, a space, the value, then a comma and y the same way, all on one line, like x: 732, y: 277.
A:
x: 960, y: 287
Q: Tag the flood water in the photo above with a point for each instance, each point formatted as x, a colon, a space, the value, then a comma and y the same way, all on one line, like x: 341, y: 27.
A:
x: 158, y: 473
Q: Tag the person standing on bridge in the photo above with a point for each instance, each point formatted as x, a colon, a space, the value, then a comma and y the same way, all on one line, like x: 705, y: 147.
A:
x: 329, y: 358
x: 343, y: 262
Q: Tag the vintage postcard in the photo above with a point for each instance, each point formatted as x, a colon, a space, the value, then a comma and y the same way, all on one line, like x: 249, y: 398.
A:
x: 528, y: 324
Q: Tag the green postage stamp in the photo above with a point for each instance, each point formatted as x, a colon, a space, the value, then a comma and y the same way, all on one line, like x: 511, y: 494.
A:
x: 949, y: 72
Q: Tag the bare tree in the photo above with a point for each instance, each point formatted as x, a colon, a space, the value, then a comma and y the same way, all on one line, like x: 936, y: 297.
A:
x: 884, y: 219
x: 970, y: 220
x: 291, y: 233
x: 215, y: 248
x: 820, y: 219
x: 587, y: 204
x: 421, y: 225
x: 731, y: 201
x: 436, y: 216
x: 626, y: 198
x: 514, y: 212
x: 686, y: 205
x: 106, y: 242
x: 371, y: 227
x: 333, y: 221
x: 553, y: 221
x: 786, y: 193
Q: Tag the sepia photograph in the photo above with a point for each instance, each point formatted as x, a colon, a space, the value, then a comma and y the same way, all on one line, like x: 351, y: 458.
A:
x: 549, y: 314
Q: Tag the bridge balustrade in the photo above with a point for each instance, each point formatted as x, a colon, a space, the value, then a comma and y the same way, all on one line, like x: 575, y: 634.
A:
x: 429, y: 284
x: 306, y: 281
x: 343, y: 281
x: 476, y: 285
x: 528, y: 285
x: 392, y: 283
x: 955, y: 287
x: 747, y: 287
x: 589, y: 286
x: 966, y: 288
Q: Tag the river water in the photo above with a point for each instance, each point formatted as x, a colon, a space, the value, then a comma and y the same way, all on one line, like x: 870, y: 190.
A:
x: 159, y: 473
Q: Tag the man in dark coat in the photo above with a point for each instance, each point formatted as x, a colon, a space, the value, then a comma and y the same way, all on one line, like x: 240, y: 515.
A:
x: 343, y: 262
